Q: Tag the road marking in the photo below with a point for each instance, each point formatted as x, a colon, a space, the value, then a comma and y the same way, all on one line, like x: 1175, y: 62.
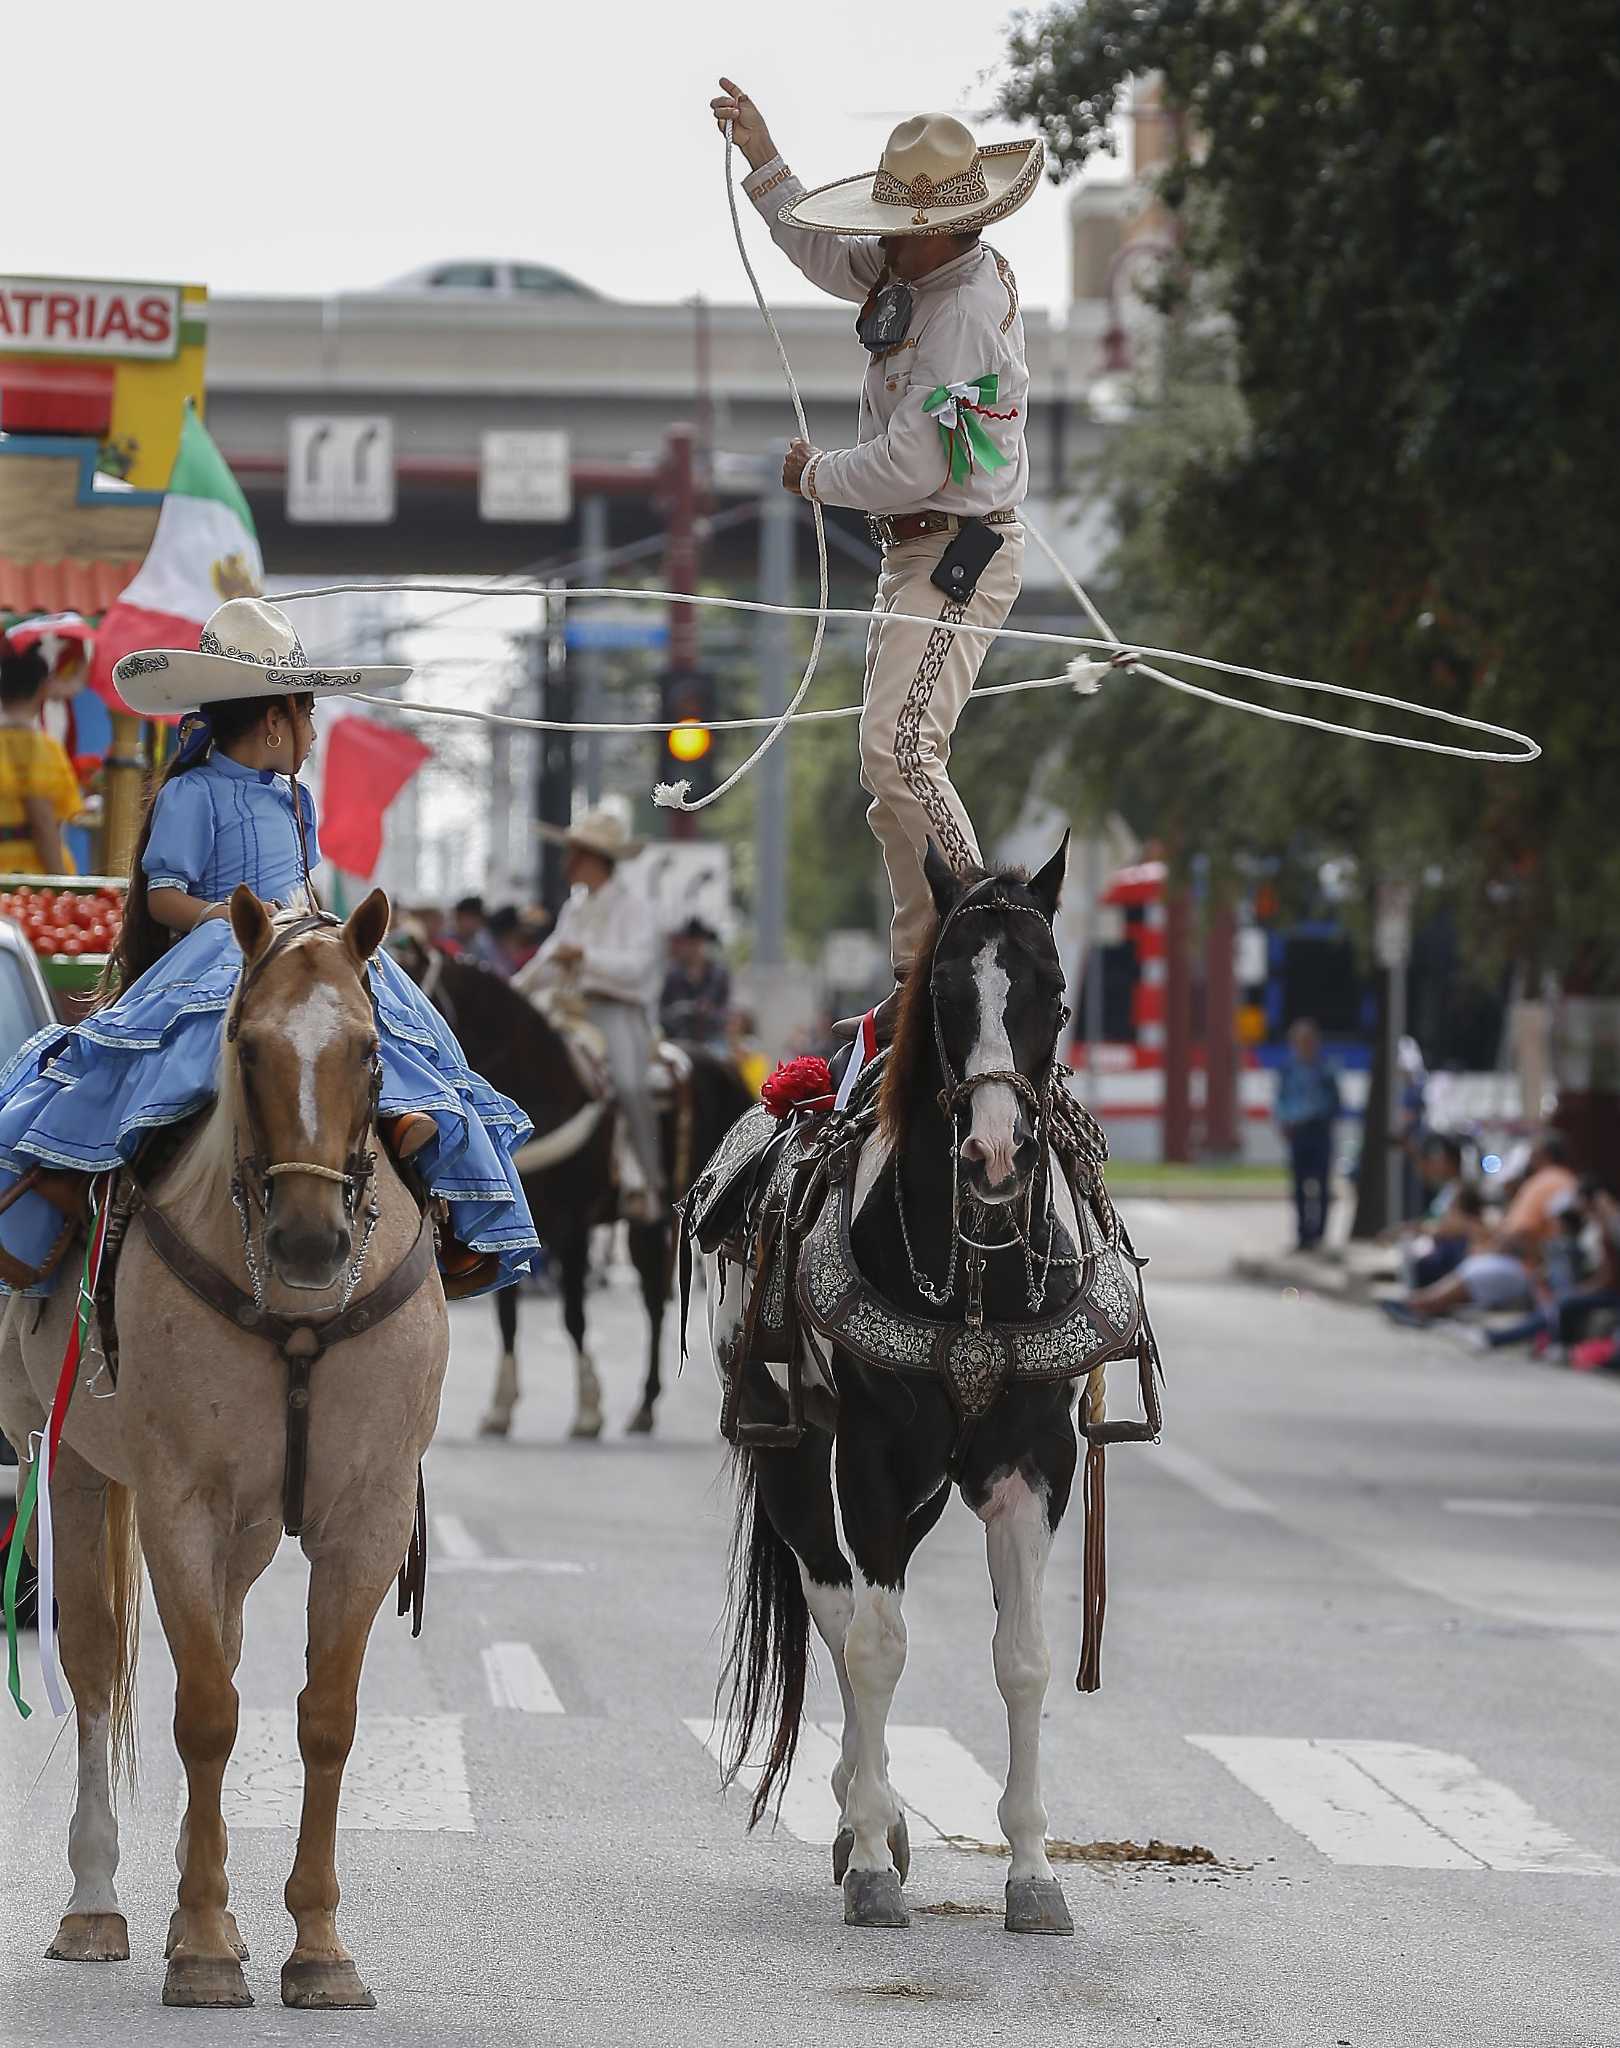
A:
x: 454, y: 1539
x: 516, y: 1678
x: 544, y: 1567
x: 1395, y: 1805
x: 944, y: 1788
x: 1206, y: 1479
x: 405, y: 1772
x: 1524, y: 1510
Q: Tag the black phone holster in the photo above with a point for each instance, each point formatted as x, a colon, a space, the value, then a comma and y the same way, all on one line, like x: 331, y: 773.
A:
x: 958, y: 570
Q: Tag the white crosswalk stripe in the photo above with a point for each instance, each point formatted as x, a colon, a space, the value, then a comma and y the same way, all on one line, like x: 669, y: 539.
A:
x: 946, y: 1791
x: 516, y: 1678
x: 453, y: 1539
x: 406, y: 1771
x: 1398, y: 1805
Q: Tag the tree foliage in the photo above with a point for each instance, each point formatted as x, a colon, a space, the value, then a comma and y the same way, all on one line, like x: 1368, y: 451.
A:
x: 1399, y: 268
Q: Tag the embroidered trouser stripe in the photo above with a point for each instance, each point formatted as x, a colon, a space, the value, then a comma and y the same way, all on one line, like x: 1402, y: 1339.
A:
x: 917, y: 680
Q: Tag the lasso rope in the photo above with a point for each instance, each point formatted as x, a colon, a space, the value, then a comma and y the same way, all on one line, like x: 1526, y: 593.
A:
x: 1081, y: 675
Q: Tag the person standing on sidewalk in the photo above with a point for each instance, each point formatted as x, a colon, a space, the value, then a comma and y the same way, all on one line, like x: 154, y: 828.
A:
x: 1307, y: 1107
x: 939, y: 467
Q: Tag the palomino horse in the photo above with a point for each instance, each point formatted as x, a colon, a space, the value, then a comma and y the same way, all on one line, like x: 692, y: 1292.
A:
x: 198, y: 1434
x: 984, y: 1267
x: 567, y: 1166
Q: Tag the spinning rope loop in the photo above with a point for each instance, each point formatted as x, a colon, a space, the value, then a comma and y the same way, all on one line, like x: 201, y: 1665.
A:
x: 1081, y: 675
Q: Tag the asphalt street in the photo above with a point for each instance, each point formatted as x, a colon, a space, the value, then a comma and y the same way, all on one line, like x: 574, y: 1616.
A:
x: 1363, y: 1647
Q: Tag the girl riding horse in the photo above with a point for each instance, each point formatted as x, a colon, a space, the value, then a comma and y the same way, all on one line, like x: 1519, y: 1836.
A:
x: 230, y: 809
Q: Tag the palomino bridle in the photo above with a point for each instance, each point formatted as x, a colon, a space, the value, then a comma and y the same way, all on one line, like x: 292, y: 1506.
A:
x: 253, y: 1177
x: 955, y: 1101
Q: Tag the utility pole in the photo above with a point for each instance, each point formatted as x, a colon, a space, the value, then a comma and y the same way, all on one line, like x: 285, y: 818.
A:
x: 553, y: 695
x: 593, y: 547
x: 778, y: 520
x: 1177, y: 1020
x: 500, y: 809
x: 681, y: 573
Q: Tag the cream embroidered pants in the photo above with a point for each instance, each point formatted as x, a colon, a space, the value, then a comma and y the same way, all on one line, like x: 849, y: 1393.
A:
x: 917, y: 681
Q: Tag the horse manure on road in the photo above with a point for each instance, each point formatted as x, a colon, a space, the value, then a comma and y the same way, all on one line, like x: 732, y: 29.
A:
x: 955, y: 1909
x: 1153, y: 1852
x: 913, y: 1987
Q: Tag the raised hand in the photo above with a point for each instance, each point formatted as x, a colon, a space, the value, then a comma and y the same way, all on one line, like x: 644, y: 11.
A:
x: 748, y: 130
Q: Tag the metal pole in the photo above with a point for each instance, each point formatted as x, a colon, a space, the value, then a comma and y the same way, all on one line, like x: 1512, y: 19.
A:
x: 681, y: 573
x: 778, y: 520
x: 1395, y: 1153
x: 500, y: 809
x: 593, y: 546
x: 1177, y: 1137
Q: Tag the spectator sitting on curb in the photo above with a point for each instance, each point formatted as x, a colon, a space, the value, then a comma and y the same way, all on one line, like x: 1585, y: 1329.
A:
x: 1450, y: 1227
x: 1307, y: 1107
x: 1580, y: 1279
x: 1502, y: 1273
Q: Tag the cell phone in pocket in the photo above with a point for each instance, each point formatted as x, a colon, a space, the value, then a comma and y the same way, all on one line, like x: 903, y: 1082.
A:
x: 958, y: 570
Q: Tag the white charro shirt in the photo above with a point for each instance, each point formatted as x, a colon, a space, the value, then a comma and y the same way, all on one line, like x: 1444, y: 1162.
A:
x: 615, y: 932
x: 965, y: 322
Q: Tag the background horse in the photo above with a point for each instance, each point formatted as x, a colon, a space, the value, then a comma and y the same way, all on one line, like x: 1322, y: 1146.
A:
x: 567, y: 1167
x: 975, y: 1045
x: 195, y: 1437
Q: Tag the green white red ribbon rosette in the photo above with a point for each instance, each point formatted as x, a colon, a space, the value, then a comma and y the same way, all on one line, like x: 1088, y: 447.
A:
x: 956, y: 410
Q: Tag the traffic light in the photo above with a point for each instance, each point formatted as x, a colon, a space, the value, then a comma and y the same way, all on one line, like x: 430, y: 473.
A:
x: 687, y: 750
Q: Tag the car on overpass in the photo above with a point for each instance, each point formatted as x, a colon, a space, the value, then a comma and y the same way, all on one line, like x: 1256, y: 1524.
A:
x: 485, y: 275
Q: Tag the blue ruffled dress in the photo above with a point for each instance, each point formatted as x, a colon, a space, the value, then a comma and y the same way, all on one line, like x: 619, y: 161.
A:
x: 84, y: 1098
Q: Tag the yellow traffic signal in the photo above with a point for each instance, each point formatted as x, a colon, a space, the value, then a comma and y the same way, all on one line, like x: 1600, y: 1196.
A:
x: 690, y: 740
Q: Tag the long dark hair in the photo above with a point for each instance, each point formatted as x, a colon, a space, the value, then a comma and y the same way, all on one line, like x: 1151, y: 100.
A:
x: 142, y: 940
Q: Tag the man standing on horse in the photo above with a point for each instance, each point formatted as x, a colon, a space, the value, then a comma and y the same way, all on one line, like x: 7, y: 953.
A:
x: 940, y: 466
x: 605, y: 946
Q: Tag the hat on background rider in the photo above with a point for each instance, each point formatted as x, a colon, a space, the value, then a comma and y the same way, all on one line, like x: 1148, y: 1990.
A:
x: 606, y: 946
x: 940, y: 463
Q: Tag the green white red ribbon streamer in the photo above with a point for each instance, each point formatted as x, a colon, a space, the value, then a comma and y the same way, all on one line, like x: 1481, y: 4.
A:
x: 36, y: 1495
x: 956, y: 410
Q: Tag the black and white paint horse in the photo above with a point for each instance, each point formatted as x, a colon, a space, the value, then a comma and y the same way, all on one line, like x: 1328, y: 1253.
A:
x: 954, y: 1192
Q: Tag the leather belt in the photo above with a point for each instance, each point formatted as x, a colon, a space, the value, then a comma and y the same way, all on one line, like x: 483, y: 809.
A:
x: 890, y: 529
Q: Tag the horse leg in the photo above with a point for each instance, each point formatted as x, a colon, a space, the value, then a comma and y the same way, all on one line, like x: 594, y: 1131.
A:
x: 1018, y: 1539
x: 346, y: 1587
x: 497, y: 1419
x: 573, y: 1258
x: 93, y: 1928
x: 186, y: 1553
x: 250, y: 1551
x: 649, y: 1249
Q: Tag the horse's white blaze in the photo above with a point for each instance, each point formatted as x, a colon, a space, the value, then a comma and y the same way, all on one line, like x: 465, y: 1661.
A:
x: 995, y: 1106
x: 1018, y: 1540
x: 93, y: 1830
x: 310, y: 1027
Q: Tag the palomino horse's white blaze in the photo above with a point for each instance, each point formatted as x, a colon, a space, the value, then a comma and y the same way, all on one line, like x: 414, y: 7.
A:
x: 875, y: 1655
x: 93, y: 1831
x: 310, y: 1027
x: 1018, y: 1541
x: 992, y: 1133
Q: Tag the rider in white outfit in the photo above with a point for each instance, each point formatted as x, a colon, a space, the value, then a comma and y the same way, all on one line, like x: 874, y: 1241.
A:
x: 606, y: 949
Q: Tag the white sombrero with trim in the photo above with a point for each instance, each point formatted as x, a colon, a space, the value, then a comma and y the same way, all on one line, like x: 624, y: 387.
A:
x: 601, y: 832
x: 934, y: 179
x: 248, y: 649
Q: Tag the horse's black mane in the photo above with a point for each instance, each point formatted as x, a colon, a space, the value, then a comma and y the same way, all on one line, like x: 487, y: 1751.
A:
x: 914, y: 1026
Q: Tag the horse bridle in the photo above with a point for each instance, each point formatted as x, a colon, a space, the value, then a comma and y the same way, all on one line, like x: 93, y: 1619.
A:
x: 254, y: 1176
x: 955, y: 1097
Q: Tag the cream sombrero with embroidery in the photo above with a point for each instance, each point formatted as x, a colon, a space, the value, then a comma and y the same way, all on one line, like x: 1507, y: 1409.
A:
x: 248, y: 649
x: 934, y: 179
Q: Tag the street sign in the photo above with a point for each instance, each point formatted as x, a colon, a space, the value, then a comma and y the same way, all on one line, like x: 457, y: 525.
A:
x: 645, y: 627
x: 524, y: 475
x: 340, y: 469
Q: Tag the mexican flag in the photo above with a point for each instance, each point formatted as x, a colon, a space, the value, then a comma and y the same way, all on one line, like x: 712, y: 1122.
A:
x: 204, y: 551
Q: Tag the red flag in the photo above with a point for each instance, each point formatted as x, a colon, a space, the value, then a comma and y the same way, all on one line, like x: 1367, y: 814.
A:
x: 367, y: 765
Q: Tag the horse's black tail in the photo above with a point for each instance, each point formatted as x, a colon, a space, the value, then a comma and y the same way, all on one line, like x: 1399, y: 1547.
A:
x: 768, y: 1627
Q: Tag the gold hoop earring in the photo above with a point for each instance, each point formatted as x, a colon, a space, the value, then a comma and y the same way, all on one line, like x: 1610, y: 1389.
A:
x: 272, y: 739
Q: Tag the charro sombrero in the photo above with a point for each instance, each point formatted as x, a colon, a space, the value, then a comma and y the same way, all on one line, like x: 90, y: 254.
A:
x: 248, y: 649
x: 934, y: 179
x: 600, y: 832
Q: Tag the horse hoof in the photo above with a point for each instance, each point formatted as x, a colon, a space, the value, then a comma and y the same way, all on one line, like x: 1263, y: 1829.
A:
x: 205, y: 1981
x: 91, y: 1938
x: 233, y: 1934
x: 843, y: 1849
x: 641, y: 1423
x: 872, y: 1899
x: 495, y: 1425
x: 586, y: 1426
x: 318, y: 1984
x: 1036, y: 1905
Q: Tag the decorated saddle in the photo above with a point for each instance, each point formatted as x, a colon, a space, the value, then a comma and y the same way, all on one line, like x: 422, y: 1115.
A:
x: 778, y: 1199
